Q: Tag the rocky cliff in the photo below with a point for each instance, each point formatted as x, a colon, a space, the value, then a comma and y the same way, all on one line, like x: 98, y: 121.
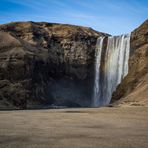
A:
x: 133, y: 90
x: 46, y: 64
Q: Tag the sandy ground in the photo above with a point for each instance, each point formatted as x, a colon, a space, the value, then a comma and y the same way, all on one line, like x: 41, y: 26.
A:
x: 121, y: 127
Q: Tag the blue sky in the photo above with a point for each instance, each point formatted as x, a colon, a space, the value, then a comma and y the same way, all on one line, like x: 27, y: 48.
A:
x: 110, y: 16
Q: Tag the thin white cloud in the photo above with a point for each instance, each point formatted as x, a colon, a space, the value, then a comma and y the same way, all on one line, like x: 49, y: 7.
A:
x: 31, y: 3
x: 83, y: 3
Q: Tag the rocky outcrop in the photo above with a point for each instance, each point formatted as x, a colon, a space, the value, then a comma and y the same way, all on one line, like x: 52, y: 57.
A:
x: 133, y: 90
x: 46, y: 64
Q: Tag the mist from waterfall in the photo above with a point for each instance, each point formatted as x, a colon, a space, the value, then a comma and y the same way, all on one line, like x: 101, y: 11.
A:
x: 114, y: 68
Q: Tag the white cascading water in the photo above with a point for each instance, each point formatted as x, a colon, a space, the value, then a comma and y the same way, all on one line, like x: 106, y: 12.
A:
x: 115, y: 68
x: 96, y: 93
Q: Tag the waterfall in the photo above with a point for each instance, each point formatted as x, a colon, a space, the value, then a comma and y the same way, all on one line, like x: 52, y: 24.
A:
x: 114, y: 69
x: 96, y: 93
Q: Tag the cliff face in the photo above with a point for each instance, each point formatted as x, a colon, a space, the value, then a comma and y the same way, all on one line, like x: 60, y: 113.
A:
x: 133, y: 90
x: 45, y: 63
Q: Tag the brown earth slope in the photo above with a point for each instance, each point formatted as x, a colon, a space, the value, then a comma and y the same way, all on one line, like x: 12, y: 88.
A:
x: 133, y: 90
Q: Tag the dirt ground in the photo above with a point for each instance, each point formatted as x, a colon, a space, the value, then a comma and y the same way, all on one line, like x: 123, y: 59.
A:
x: 120, y: 127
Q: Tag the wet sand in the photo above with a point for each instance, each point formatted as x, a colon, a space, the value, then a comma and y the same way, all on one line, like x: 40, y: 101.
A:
x: 120, y: 127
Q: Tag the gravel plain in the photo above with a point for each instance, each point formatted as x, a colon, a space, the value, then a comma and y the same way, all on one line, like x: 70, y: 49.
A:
x: 107, y: 127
